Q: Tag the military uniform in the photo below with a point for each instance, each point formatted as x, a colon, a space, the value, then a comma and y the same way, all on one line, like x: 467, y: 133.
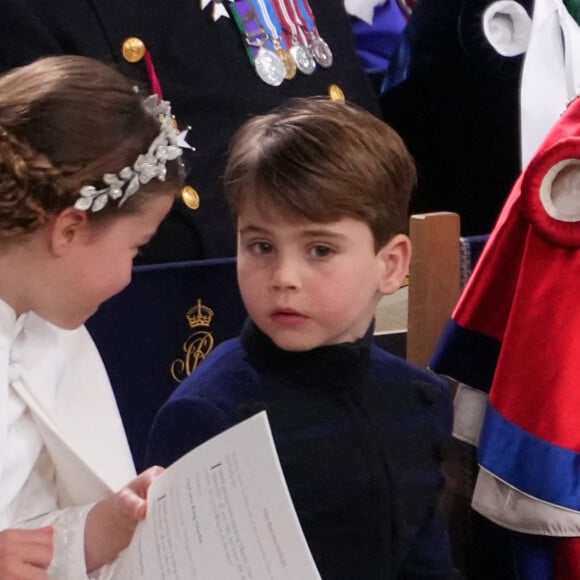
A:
x: 458, y: 113
x: 203, y: 69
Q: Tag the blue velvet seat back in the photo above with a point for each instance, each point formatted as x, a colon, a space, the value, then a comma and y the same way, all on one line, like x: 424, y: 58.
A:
x: 471, y: 248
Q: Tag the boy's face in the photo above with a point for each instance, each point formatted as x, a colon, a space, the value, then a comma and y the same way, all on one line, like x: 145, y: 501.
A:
x: 307, y: 284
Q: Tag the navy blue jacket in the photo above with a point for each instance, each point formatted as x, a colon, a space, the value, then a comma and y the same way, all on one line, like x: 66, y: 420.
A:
x: 359, y: 433
x: 203, y: 70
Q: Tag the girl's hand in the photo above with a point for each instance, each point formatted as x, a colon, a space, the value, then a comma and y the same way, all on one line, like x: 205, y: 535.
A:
x: 26, y: 554
x: 111, y: 522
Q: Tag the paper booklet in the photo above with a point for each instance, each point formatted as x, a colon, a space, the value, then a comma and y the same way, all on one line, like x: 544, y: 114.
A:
x: 221, y: 512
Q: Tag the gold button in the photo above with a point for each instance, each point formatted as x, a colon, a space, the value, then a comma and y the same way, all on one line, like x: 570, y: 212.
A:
x: 190, y: 197
x: 133, y: 49
x: 335, y: 93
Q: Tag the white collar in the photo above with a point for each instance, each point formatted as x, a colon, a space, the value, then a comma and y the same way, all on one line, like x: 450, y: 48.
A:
x: 8, y: 330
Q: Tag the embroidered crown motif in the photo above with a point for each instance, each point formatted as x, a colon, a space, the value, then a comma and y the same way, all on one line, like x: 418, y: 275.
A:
x: 168, y: 145
x: 199, y: 315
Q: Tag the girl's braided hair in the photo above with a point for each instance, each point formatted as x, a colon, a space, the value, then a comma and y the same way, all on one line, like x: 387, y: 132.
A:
x: 30, y: 186
x: 65, y: 122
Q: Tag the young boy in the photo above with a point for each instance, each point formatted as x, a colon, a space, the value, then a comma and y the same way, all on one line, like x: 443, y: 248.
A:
x: 320, y: 190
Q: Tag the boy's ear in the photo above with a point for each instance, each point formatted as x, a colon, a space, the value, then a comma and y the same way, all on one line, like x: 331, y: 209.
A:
x: 68, y: 227
x: 394, y: 256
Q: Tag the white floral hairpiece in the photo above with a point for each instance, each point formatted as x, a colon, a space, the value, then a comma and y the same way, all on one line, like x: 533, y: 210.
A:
x: 168, y: 145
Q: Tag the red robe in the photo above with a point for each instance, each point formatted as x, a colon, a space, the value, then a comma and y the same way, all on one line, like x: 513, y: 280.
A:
x: 518, y: 324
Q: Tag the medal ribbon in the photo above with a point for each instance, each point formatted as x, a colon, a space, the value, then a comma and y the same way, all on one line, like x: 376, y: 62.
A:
x: 153, y: 78
x: 304, y: 16
x: 251, y: 30
x: 305, y: 6
x: 320, y: 50
x: 269, y: 21
x: 290, y: 21
x: 290, y: 30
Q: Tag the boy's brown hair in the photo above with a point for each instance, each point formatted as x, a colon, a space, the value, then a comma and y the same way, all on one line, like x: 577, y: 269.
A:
x: 323, y: 160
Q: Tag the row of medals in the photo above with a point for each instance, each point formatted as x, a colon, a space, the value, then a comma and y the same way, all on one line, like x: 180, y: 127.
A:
x: 273, y: 66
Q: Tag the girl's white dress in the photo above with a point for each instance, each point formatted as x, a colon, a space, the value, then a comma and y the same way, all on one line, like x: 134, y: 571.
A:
x: 62, y: 443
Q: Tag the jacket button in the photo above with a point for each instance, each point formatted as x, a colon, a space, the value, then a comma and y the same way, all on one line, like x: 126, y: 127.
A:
x: 190, y: 197
x: 133, y: 49
x: 335, y: 93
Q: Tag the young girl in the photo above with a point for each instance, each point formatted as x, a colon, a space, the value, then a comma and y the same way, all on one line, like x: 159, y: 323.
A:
x: 88, y: 169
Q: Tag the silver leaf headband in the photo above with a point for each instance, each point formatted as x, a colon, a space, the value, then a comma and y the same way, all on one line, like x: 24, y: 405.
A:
x: 168, y: 145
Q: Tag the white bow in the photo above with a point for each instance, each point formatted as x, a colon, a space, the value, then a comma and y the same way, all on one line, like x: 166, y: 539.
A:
x: 507, y: 27
x: 363, y: 9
